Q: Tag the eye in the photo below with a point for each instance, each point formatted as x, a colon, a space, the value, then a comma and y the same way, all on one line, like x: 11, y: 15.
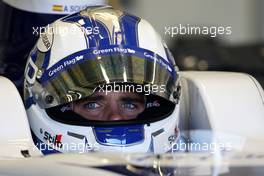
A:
x: 91, y: 105
x: 129, y: 106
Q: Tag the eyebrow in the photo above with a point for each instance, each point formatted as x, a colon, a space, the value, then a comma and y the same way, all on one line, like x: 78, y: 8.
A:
x: 95, y: 98
x: 129, y: 99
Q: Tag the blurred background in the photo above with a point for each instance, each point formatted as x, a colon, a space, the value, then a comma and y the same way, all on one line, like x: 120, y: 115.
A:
x: 242, y: 50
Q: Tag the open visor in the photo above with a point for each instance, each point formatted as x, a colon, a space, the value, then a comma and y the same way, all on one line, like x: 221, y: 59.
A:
x: 79, y: 75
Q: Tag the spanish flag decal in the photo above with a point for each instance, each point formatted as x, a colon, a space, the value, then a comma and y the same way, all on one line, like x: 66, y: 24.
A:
x: 57, y: 8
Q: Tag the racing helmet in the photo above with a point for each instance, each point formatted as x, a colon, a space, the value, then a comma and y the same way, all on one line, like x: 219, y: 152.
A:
x: 80, y: 53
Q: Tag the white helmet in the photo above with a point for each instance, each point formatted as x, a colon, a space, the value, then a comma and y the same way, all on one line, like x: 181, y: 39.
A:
x: 100, y: 46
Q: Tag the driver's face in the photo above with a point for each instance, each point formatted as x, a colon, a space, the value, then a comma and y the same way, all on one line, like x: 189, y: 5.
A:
x: 111, y: 106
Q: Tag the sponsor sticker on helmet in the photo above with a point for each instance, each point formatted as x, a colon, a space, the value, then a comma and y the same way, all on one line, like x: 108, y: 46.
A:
x: 52, y: 139
x: 45, y: 41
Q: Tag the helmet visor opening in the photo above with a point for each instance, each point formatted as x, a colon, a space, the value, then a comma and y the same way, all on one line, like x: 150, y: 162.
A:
x: 79, y: 75
x: 155, y: 108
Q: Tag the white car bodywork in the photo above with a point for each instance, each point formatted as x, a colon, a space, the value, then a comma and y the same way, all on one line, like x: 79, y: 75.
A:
x: 230, y: 105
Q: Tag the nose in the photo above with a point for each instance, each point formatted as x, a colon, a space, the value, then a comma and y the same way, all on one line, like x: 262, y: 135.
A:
x: 114, y: 113
x: 115, y: 117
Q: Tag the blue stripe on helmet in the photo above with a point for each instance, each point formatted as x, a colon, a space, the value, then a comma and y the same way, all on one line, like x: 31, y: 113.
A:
x: 34, y: 54
x: 103, y: 36
x: 129, y: 28
x: 29, y: 101
x: 31, y: 71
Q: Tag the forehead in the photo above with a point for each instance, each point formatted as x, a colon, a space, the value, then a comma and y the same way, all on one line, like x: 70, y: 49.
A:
x: 117, y: 94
